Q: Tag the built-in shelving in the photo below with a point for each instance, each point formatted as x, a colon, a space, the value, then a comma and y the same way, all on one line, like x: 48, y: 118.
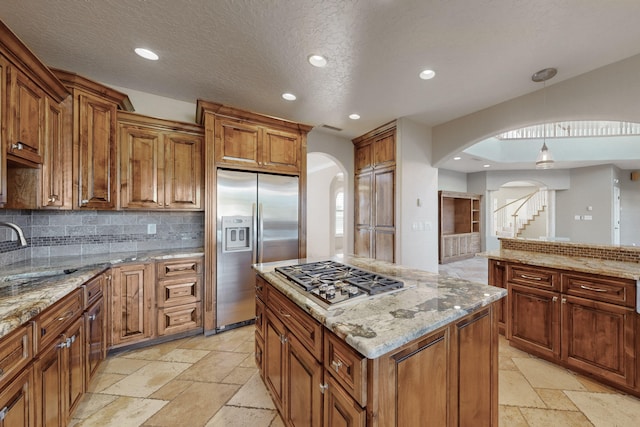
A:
x: 459, y: 225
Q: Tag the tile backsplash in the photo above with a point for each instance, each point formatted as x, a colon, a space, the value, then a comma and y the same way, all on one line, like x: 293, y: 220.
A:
x: 68, y: 233
x: 583, y: 250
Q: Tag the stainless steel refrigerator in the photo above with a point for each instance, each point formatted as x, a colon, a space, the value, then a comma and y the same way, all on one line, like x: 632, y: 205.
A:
x: 257, y: 221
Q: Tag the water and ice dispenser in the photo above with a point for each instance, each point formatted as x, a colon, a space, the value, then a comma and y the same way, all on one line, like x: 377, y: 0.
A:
x: 236, y: 233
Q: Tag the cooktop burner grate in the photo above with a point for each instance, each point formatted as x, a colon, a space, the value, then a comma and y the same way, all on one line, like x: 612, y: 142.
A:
x: 334, y: 282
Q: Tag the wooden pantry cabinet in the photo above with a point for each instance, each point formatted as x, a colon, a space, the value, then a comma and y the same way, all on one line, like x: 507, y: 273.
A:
x: 585, y: 322
x: 161, y: 163
x: 375, y: 193
x: 95, y: 154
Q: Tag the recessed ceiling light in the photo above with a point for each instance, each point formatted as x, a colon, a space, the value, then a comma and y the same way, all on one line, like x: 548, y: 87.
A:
x: 427, y: 74
x: 146, y: 53
x: 354, y: 116
x: 317, y: 61
x: 289, y: 96
x: 457, y: 158
x: 486, y: 166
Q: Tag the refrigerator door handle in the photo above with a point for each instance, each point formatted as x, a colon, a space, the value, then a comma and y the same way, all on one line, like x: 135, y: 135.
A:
x: 254, y: 255
x: 260, y: 232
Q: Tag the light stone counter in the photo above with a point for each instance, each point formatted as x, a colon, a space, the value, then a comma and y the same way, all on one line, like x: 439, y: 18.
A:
x: 623, y: 270
x: 382, y: 323
x: 29, y: 287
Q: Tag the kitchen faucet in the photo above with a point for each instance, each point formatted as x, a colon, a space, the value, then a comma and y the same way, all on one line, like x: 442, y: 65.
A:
x: 18, y: 230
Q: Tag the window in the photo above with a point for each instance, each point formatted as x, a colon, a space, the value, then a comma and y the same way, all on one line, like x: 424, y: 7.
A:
x: 339, y: 213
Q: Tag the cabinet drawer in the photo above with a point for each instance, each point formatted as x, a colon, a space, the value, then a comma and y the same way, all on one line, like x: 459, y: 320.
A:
x: 53, y: 321
x: 599, y: 288
x: 533, y: 276
x: 183, y: 318
x: 179, y: 291
x: 301, y: 324
x: 16, y: 351
x: 93, y: 290
x: 347, y: 366
x: 179, y: 267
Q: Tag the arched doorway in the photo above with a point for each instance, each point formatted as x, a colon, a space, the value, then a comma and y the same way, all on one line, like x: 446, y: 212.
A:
x: 327, y: 199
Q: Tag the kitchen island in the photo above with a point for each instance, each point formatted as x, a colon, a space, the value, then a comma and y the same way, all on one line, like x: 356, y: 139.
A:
x: 423, y: 355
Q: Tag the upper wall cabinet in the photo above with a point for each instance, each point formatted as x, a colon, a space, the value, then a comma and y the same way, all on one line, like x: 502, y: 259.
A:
x: 28, y: 93
x: 161, y: 163
x: 246, y: 140
x: 95, y: 150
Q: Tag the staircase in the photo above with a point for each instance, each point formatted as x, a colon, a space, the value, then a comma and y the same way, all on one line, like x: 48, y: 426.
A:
x: 525, y: 211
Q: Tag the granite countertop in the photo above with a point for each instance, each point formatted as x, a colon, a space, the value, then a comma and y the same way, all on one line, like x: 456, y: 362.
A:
x: 29, y: 287
x: 623, y: 270
x: 380, y: 324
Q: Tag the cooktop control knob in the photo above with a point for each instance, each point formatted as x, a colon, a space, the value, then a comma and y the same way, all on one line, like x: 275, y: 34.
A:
x: 323, y: 288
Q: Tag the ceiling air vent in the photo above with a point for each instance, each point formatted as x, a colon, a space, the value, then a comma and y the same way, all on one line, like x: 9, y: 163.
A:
x: 331, y: 128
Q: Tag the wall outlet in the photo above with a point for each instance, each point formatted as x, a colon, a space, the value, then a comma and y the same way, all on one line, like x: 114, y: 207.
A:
x: 151, y: 229
x: 587, y: 217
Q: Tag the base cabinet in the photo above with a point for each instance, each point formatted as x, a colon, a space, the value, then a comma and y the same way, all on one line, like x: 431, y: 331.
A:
x: 446, y: 378
x: 581, y: 321
x: 497, y: 278
x: 17, y: 402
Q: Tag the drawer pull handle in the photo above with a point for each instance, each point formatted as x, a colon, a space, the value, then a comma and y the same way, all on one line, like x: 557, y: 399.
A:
x: 524, y: 276
x: 336, y: 365
x: 66, y: 316
x: 17, y: 146
x: 589, y: 288
x: 284, y: 313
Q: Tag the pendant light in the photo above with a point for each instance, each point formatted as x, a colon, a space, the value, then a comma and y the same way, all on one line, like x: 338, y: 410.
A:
x: 545, y: 159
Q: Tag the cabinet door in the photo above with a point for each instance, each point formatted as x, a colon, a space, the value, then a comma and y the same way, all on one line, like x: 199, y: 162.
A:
x: 477, y: 359
x: 274, y: 377
x: 74, y: 365
x: 49, y: 387
x: 183, y: 172
x: 25, y: 130
x: 599, y: 337
x: 497, y: 278
x: 236, y: 143
x: 96, y: 168
x: 280, y: 151
x: 384, y: 149
x: 340, y: 409
x: 141, y: 160
x: 362, y: 157
x: 304, y: 397
x: 16, y: 402
x: 384, y: 214
x: 95, y: 338
x: 132, y: 304
x: 57, y: 160
x: 363, y: 206
x: 534, y: 320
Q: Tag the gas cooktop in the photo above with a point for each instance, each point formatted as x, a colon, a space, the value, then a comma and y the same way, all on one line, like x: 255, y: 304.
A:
x: 332, y: 282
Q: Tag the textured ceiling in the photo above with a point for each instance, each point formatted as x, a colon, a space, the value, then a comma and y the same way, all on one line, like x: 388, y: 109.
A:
x: 247, y: 53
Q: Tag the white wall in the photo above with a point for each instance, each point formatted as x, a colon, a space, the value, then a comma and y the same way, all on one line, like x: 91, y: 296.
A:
x: 607, y: 93
x: 320, y: 174
x: 629, y: 209
x: 340, y: 150
x: 449, y: 180
x: 590, y: 187
x: 159, y: 106
x: 416, y: 179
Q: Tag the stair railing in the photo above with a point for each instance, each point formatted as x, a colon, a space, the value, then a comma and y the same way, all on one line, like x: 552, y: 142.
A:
x: 527, y: 207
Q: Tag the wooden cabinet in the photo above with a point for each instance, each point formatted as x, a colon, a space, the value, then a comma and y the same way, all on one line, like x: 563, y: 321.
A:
x: 25, y: 137
x: 95, y: 161
x: 161, y: 163
x: 56, y: 168
x: 582, y: 321
x: 133, y: 307
x: 374, y: 235
x: 178, y: 291
x: 16, y: 352
x: 59, y: 367
x: 3, y: 115
x: 458, y: 225
x: 17, y: 401
x: 340, y: 409
x: 95, y: 325
x: 242, y: 144
x: 292, y: 368
x: 497, y: 277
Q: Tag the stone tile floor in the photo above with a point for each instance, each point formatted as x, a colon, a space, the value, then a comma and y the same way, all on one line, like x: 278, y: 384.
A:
x: 212, y: 381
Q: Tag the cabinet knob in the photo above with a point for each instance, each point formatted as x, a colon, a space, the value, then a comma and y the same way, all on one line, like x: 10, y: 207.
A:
x: 564, y: 300
x: 84, y: 202
x: 555, y: 299
x: 17, y: 146
x: 336, y: 365
x: 323, y: 387
x: 283, y: 339
x: 92, y: 317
